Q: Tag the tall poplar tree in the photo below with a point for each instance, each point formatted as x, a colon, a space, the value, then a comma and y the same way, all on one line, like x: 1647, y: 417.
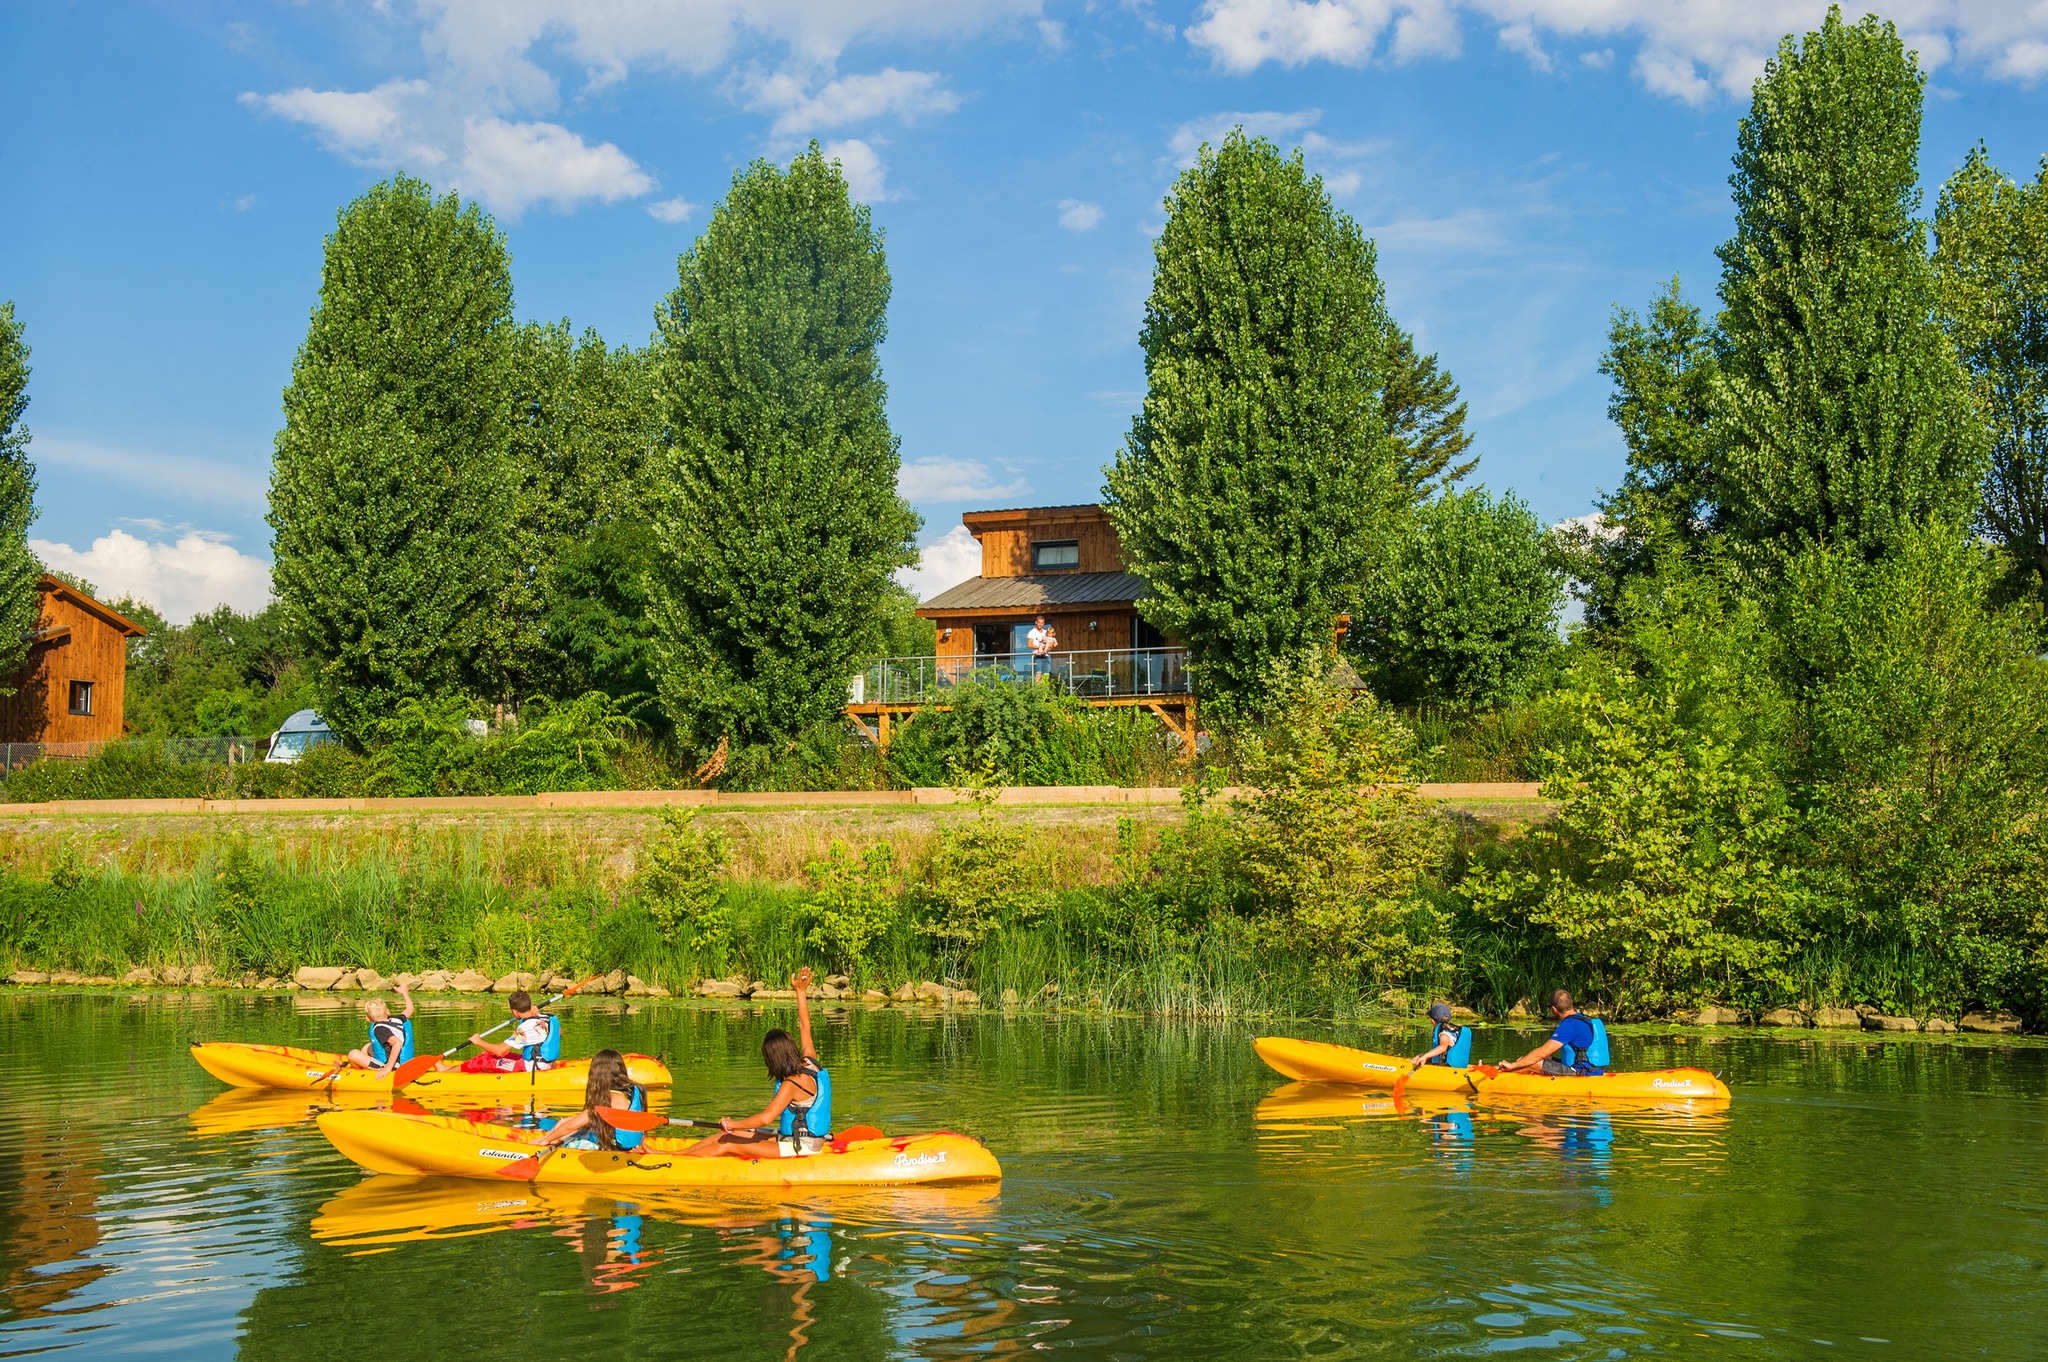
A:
x: 1841, y: 414
x: 1992, y: 259
x: 1257, y: 489
x: 20, y: 604
x: 392, y: 487
x: 776, y: 518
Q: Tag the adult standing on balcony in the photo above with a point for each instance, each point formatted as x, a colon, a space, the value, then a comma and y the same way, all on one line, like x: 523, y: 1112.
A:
x: 1041, y: 640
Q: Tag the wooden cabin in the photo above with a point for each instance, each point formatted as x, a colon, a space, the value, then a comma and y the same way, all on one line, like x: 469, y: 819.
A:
x: 1063, y: 562
x: 74, y: 683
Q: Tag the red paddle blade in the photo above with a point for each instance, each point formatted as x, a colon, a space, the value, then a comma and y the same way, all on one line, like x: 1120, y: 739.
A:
x: 412, y: 1069
x: 620, y: 1119
x: 522, y: 1170
x: 855, y: 1134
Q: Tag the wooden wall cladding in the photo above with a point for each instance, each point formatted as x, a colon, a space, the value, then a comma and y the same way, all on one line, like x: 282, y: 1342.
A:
x: 1006, y: 549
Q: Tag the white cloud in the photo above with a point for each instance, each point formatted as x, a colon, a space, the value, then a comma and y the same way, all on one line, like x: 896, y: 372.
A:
x: 1521, y: 39
x: 849, y: 99
x: 945, y: 562
x: 942, y: 479
x: 509, y: 166
x: 1078, y: 215
x: 677, y: 209
x: 476, y: 122
x: 1242, y: 35
x: 182, y: 579
x: 862, y: 166
x: 1697, y: 51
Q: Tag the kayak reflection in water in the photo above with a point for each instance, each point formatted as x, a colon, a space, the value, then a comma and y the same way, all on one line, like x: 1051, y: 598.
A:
x: 800, y: 1117
x: 611, y: 1250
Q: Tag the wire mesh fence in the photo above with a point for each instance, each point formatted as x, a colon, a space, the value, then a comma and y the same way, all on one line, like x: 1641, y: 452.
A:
x: 212, y: 751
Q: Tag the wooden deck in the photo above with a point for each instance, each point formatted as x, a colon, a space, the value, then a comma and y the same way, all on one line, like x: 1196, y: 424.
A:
x: 879, y: 720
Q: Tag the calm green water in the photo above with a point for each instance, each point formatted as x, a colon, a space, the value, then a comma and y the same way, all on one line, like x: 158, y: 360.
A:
x: 1859, y: 1199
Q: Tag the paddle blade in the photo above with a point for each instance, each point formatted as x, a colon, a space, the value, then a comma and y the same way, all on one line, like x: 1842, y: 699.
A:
x: 523, y: 1169
x: 405, y: 1106
x: 855, y: 1134
x: 1401, y: 1083
x: 618, y: 1118
x: 412, y: 1069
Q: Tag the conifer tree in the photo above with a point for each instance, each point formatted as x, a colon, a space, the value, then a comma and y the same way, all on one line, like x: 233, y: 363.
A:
x: 1841, y: 414
x: 1992, y: 260
x: 1425, y: 419
x: 20, y: 603
x: 391, y: 489
x: 1256, y: 492
x: 776, y: 518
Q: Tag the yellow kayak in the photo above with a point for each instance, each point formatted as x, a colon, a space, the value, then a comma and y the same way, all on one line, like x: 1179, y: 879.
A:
x: 1314, y: 1061
x: 288, y: 1066
x: 444, y: 1146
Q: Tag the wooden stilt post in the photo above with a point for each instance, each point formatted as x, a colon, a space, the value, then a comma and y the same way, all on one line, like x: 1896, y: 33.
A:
x: 883, y: 723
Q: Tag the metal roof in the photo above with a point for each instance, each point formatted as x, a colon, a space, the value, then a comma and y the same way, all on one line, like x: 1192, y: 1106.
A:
x: 1044, y: 590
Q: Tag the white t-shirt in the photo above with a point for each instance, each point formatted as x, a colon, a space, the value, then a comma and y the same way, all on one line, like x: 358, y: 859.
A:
x: 530, y: 1031
x: 1041, y: 639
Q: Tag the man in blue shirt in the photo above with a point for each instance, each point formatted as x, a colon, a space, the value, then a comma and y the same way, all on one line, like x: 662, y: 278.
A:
x: 1573, y: 1032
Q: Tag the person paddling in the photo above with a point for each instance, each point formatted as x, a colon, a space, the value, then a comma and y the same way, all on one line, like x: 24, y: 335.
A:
x: 1577, y: 1044
x: 1451, y: 1043
x: 801, y: 1113
x: 533, y: 1045
x: 609, y: 1085
x: 390, y: 1043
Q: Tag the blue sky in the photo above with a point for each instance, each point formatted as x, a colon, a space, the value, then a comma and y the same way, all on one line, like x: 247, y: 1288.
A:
x: 171, y: 170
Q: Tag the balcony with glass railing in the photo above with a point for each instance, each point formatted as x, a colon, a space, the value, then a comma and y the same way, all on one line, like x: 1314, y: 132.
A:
x: 1105, y: 675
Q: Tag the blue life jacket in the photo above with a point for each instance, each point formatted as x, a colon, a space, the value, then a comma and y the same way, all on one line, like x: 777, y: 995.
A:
x: 1460, y: 1053
x: 1593, y: 1060
x: 632, y: 1139
x: 816, y: 1115
x: 377, y: 1051
x: 549, y: 1050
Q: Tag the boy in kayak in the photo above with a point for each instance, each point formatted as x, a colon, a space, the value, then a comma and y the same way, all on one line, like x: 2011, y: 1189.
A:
x: 801, y: 1113
x: 1577, y: 1044
x: 390, y: 1043
x: 1452, y: 1043
x: 534, y: 1044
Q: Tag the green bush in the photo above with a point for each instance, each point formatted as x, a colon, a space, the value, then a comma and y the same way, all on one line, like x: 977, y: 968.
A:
x: 683, y: 880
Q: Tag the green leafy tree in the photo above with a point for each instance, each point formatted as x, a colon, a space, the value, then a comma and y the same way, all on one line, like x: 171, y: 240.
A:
x: 1662, y: 364
x: 1992, y: 260
x: 20, y: 603
x: 1923, y: 761
x: 581, y: 435
x: 1424, y: 418
x: 225, y: 673
x: 1841, y: 413
x: 392, y: 487
x: 776, y: 518
x: 1257, y: 492
x: 1468, y: 615
x: 1334, y: 842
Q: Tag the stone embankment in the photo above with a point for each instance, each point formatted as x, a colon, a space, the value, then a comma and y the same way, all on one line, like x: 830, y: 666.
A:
x: 1864, y: 1018
x: 618, y: 983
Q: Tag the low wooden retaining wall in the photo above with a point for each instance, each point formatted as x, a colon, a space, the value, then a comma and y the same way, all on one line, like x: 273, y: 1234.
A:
x: 715, y: 799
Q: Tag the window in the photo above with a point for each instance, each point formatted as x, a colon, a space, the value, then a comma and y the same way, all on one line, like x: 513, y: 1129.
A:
x: 1055, y: 554
x: 81, y: 697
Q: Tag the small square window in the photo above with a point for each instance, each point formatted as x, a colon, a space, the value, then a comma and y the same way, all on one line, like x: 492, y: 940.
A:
x: 1055, y: 554
x: 81, y: 697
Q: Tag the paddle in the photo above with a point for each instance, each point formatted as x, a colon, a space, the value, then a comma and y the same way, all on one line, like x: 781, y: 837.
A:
x: 618, y: 1118
x: 1401, y: 1083
x: 414, y: 1068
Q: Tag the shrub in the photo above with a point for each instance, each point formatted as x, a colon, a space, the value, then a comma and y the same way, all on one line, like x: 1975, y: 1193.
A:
x: 853, y: 900
x: 682, y: 882
x: 974, y: 879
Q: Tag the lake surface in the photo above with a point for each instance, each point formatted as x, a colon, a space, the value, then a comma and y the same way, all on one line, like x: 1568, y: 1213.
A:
x: 1165, y: 1196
